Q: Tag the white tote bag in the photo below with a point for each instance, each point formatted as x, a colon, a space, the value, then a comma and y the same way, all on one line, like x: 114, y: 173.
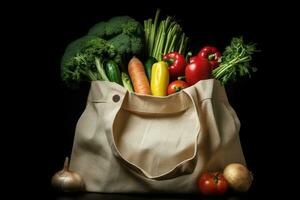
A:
x: 126, y: 142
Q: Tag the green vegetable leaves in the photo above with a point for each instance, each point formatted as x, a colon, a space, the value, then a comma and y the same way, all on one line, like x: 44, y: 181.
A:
x: 114, y: 40
x: 83, y: 60
x: 235, y: 61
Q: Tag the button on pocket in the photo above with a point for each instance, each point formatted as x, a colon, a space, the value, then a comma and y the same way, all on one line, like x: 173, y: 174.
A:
x: 116, y: 98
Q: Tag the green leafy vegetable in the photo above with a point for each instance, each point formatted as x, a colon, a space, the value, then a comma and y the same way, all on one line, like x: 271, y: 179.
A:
x: 235, y: 61
x: 83, y: 60
x: 162, y: 37
x: 124, y: 33
x: 117, y: 39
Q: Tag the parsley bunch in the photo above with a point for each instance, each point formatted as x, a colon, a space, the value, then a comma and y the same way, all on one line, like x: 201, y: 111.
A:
x: 235, y: 61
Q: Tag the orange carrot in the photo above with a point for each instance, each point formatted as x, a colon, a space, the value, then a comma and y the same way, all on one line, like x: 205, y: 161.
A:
x: 138, y: 76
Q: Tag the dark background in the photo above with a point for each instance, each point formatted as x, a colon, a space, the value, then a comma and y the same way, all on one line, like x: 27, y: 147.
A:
x: 48, y: 110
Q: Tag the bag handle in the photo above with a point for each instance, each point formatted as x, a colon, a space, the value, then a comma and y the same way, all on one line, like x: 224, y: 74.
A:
x: 185, y: 167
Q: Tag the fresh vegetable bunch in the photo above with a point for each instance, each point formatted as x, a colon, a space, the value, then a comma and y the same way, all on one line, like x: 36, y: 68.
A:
x: 233, y: 63
x: 103, y: 52
x: 150, y: 59
x: 167, y: 70
x: 208, y: 63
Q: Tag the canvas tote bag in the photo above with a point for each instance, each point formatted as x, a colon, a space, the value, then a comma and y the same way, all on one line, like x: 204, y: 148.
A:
x: 125, y: 142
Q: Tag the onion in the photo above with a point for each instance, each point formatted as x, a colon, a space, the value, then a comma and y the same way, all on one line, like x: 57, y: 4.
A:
x: 66, y: 180
x: 238, y: 177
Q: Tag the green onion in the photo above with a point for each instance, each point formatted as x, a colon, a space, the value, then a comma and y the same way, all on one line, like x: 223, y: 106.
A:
x: 164, y: 36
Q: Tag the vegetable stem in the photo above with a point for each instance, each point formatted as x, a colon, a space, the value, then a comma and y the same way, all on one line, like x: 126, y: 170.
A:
x: 163, y: 37
x: 66, y: 164
x: 99, y: 66
x: 235, y: 61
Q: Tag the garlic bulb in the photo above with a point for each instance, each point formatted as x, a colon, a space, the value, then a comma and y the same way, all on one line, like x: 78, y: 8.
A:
x: 66, y: 180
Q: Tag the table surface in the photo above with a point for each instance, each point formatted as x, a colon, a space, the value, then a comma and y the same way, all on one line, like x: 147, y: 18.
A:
x: 98, y: 196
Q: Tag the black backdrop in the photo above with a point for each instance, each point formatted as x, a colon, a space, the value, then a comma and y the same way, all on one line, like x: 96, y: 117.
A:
x: 51, y: 110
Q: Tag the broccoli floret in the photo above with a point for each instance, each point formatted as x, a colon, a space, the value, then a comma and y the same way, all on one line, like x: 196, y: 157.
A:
x: 127, y: 44
x: 98, y: 30
x: 136, y: 45
x: 115, y: 25
x: 74, y: 47
x: 83, y: 60
x: 125, y: 33
x: 133, y: 27
x: 123, y: 42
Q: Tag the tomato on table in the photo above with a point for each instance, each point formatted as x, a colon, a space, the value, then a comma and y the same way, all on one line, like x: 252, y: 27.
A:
x: 212, y: 183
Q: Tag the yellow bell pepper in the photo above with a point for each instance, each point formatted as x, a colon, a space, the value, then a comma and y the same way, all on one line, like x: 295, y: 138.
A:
x: 159, y: 79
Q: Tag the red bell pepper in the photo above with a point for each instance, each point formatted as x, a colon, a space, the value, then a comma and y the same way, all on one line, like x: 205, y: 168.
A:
x: 212, y: 54
x: 198, y: 69
x: 176, y: 63
x: 193, y: 59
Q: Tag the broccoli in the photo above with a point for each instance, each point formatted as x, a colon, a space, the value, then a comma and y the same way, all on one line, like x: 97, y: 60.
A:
x: 123, y: 32
x: 117, y: 39
x: 127, y: 45
x: 83, y: 60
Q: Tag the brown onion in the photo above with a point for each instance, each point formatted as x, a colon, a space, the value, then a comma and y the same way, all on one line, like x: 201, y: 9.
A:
x: 66, y: 180
x: 238, y: 177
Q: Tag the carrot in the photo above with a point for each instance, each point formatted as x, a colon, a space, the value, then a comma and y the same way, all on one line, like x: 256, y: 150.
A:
x: 138, y: 76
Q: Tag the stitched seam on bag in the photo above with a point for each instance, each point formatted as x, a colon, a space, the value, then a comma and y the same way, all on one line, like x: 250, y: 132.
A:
x: 159, y: 113
x: 97, y: 101
x: 215, y: 99
x: 206, y: 98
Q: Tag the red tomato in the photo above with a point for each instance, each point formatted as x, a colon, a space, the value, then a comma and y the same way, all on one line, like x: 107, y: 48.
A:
x: 176, y: 86
x: 198, y: 69
x: 212, y: 183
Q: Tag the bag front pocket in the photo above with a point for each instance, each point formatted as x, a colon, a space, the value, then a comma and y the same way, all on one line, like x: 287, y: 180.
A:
x: 157, y: 137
